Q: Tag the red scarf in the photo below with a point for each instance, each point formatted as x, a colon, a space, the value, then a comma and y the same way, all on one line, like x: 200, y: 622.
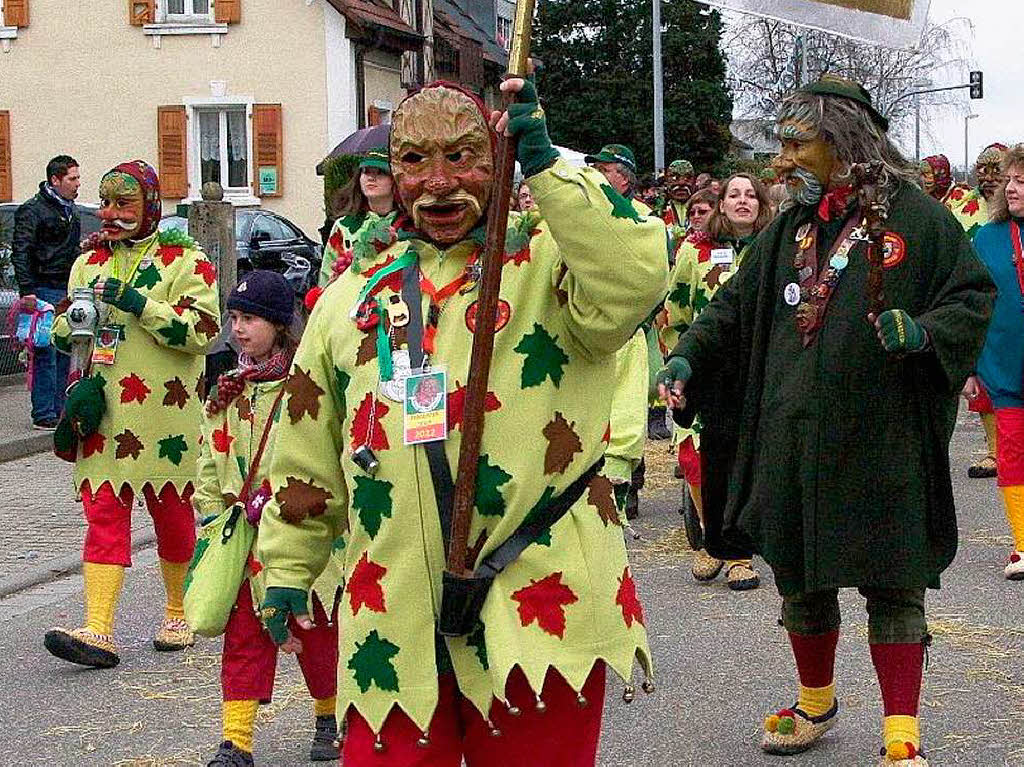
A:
x: 834, y: 203
x: 231, y: 384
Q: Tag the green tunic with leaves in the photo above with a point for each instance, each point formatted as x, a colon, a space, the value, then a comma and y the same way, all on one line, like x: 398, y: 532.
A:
x: 838, y: 451
x: 149, y: 434
x: 575, y: 287
x: 351, y: 236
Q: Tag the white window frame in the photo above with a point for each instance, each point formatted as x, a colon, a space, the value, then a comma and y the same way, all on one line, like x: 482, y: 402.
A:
x: 237, y: 196
x: 6, y: 33
x: 185, y: 24
x: 511, y: 29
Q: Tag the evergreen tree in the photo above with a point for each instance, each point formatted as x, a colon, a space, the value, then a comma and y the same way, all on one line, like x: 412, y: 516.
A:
x: 598, y: 78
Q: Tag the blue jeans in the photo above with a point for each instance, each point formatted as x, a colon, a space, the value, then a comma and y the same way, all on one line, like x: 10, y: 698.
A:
x: 49, y: 370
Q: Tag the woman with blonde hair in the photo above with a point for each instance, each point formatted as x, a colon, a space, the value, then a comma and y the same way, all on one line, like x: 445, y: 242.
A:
x: 705, y: 261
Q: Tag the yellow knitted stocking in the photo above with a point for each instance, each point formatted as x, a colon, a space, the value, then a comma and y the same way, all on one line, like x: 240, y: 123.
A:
x: 174, y: 583
x: 988, y: 421
x: 102, y: 592
x: 1013, y: 497
x: 239, y: 722
x: 324, y: 706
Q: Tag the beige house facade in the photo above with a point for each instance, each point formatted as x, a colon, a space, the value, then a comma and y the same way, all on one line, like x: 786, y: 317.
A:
x: 250, y: 93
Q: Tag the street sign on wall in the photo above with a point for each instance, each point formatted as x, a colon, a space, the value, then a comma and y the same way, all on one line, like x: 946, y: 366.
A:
x: 892, y: 23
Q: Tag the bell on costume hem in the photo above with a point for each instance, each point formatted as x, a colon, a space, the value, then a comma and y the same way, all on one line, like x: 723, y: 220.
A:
x: 628, y: 694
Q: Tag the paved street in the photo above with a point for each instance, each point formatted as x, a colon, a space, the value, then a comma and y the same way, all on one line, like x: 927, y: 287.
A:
x: 722, y: 664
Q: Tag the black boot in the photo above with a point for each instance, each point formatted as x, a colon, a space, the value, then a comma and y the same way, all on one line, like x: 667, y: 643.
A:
x: 636, y: 484
x: 324, y: 747
x: 656, y: 426
x: 230, y: 755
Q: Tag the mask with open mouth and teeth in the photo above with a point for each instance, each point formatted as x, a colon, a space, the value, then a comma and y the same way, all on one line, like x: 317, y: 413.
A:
x: 442, y: 158
x: 129, y: 202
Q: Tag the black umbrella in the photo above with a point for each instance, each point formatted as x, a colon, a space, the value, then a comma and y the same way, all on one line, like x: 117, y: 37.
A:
x: 360, y: 142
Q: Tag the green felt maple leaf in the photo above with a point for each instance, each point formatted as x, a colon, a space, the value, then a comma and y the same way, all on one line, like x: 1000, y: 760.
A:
x: 372, y: 500
x: 173, y: 447
x: 341, y: 382
x: 544, y: 539
x: 489, y: 478
x: 148, y: 277
x: 700, y: 300
x: 371, y: 663
x: 544, y: 357
x: 621, y: 207
x: 680, y: 294
x: 175, y: 334
x: 243, y: 472
x: 475, y: 639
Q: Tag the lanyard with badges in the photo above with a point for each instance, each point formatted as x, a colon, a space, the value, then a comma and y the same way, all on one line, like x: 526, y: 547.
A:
x: 110, y: 334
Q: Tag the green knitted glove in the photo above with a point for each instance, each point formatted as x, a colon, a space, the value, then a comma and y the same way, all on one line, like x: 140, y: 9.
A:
x: 529, y: 126
x: 124, y: 297
x: 899, y: 332
x: 85, y: 405
x: 676, y: 369
x: 278, y: 604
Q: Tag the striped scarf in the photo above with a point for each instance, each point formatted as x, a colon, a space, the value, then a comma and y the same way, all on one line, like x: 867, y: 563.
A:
x: 231, y: 384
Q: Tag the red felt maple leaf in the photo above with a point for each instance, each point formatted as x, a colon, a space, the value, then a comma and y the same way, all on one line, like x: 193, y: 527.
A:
x: 607, y: 434
x: 169, y: 253
x: 361, y: 434
x: 99, y: 256
x: 956, y: 193
x: 94, y: 443
x: 544, y: 601
x: 186, y: 302
x: 632, y: 610
x: 364, y: 587
x: 457, y: 405
x: 971, y: 207
x: 206, y: 270
x: 221, y: 439
x: 133, y: 389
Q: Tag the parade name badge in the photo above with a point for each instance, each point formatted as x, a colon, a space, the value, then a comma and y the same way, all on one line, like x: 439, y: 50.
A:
x: 104, y: 352
x: 724, y: 256
x: 426, y: 406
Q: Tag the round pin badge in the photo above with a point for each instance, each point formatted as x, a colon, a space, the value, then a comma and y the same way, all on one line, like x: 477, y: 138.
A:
x: 895, y: 250
x: 791, y: 294
x: 501, y: 319
x: 839, y: 261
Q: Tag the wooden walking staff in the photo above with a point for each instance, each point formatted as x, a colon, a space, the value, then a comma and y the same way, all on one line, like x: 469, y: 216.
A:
x: 872, y: 190
x: 490, y: 285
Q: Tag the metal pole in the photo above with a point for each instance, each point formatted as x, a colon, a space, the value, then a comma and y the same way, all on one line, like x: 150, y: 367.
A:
x: 659, y: 92
x: 917, y: 129
x: 967, y: 122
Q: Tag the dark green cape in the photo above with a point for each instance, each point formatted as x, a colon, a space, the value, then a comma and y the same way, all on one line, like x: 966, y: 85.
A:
x: 831, y: 461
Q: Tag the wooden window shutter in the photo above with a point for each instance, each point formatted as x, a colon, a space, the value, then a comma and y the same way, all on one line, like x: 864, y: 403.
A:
x: 15, y: 13
x: 268, y: 150
x: 172, y: 145
x: 141, y: 12
x: 227, y: 11
x: 6, y: 171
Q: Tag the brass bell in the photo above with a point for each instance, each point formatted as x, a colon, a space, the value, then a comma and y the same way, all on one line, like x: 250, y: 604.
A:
x: 495, y: 732
x: 424, y: 741
x: 378, y: 745
x: 514, y: 711
x: 541, y: 705
x: 629, y: 694
x: 648, y: 686
x: 580, y: 700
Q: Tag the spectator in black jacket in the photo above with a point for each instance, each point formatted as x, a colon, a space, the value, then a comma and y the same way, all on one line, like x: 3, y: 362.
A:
x: 47, y: 231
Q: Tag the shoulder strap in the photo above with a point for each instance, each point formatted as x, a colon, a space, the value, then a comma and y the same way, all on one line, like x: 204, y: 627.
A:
x: 254, y: 466
x: 440, y: 470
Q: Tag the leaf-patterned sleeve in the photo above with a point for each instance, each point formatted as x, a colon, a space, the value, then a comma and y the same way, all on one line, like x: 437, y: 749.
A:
x: 187, y: 321
x: 308, y: 511
x: 679, y: 303
x: 616, y: 260
x: 207, y: 499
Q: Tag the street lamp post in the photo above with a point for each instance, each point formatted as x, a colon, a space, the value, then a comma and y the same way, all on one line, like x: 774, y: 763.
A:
x: 659, y: 92
x: 967, y: 150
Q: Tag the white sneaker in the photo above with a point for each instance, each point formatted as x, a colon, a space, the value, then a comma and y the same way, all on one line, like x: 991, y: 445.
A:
x: 1014, y: 570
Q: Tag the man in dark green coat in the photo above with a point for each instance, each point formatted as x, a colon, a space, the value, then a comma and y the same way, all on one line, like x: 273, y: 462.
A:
x: 836, y: 422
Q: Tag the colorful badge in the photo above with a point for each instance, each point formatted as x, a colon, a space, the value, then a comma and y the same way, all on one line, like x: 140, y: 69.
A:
x: 791, y: 294
x: 401, y: 367
x: 723, y: 256
x: 894, y: 249
x: 426, y: 407
x: 504, y: 314
x: 104, y: 351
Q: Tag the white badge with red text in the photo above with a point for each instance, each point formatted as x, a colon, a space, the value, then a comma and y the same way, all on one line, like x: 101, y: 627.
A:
x: 426, y: 406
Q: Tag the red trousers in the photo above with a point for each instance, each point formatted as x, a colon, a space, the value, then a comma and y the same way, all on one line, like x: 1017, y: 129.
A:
x: 565, y: 735
x: 689, y: 462
x: 1009, y: 446
x: 248, y: 661
x: 108, y: 537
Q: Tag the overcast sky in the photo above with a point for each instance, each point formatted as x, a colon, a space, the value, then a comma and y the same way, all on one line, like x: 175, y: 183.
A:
x: 998, y: 49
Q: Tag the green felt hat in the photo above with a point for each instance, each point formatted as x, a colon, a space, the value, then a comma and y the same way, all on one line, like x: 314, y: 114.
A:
x: 613, y: 153
x: 834, y: 85
x: 376, y: 158
x: 681, y: 167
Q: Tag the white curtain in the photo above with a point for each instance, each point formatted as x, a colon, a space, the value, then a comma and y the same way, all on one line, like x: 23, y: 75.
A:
x: 209, y: 136
x: 237, y: 144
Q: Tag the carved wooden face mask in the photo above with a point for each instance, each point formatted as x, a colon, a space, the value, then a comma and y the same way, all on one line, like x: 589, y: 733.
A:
x: 442, y: 159
x: 122, y: 205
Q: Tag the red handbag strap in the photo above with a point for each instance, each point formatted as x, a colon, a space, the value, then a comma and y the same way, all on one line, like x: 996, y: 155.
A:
x: 1018, y: 256
x: 247, y: 485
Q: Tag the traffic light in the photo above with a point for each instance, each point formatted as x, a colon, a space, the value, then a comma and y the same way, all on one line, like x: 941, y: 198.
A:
x: 977, y: 85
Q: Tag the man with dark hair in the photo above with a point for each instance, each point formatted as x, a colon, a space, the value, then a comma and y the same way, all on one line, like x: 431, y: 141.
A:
x: 825, y: 373
x: 45, y: 245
